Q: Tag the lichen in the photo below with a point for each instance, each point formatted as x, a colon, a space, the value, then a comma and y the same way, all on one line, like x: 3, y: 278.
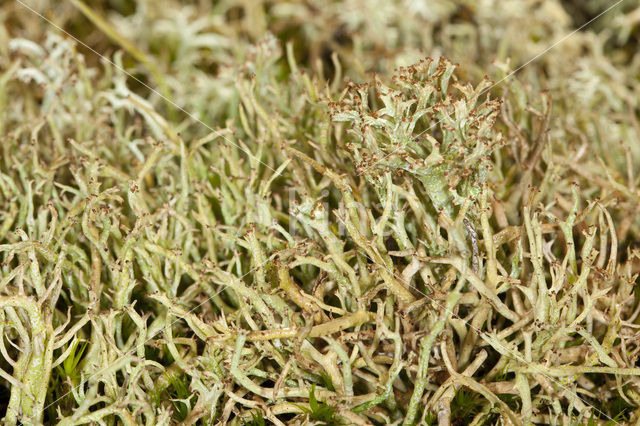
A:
x: 319, y: 213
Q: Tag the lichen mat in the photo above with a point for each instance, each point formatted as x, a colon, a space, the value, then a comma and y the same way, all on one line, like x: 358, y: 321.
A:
x: 319, y: 213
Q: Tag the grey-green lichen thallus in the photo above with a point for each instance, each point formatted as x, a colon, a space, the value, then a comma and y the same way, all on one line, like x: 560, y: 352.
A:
x: 297, y: 213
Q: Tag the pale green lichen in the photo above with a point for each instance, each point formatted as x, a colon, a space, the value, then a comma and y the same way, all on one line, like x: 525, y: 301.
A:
x: 282, y: 213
